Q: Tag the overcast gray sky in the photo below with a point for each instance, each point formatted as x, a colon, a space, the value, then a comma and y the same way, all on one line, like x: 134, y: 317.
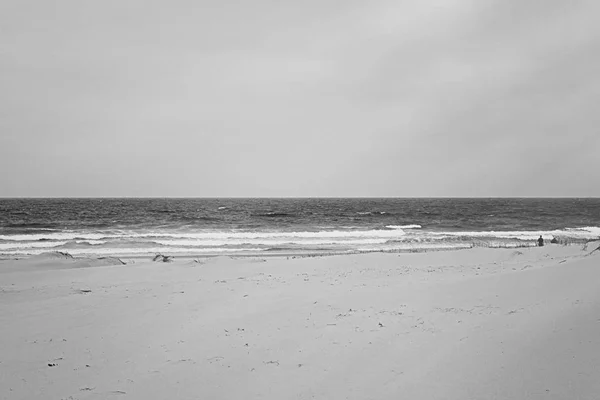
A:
x: 300, y: 98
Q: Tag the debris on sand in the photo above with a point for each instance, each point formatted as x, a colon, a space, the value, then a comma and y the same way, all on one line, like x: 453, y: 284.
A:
x: 162, y: 258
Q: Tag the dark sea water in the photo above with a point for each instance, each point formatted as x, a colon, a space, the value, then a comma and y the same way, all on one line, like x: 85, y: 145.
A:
x: 286, y: 226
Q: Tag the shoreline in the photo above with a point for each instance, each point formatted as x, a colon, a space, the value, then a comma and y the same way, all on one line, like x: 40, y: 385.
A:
x: 290, y: 253
x: 276, y: 240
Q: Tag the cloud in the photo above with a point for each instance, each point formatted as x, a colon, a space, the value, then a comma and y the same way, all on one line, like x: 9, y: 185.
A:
x: 385, y: 98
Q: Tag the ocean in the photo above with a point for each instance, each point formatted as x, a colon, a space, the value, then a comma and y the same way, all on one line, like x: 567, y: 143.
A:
x: 260, y: 226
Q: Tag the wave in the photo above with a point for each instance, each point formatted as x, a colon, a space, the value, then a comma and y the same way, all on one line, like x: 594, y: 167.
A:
x: 268, y: 242
x: 594, y: 230
x: 390, y: 238
x: 137, y: 251
x: 197, y: 218
x: 54, y: 236
x: 162, y: 211
x: 29, y: 245
x: 391, y: 231
x: 91, y: 242
x: 202, y: 235
x: 275, y: 214
x: 28, y: 225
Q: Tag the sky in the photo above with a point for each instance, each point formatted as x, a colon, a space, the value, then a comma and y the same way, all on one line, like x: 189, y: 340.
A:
x: 312, y: 98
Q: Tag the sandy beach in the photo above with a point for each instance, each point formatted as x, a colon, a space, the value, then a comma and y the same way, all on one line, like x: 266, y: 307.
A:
x: 469, y: 324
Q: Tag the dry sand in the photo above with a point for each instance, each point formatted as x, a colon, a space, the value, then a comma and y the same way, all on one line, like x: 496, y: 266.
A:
x: 472, y: 324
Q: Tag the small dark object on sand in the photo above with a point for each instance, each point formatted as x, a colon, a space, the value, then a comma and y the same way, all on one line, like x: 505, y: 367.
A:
x: 160, y: 257
x: 540, y: 241
x: 554, y: 240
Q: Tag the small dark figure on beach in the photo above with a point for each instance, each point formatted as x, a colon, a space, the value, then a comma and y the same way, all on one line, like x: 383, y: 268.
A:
x: 554, y: 240
x: 541, y: 241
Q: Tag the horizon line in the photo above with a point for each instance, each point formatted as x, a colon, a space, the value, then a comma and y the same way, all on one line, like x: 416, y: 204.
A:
x: 294, y: 197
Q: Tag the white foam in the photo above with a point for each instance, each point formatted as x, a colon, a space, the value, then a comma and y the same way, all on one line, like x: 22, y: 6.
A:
x: 57, y: 236
x: 91, y: 241
x: 274, y: 235
x: 417, y: 246
x: 118, y: 251
x: 269, y: 242
x: 232, y: 241
x: 575, y: 233
x: 593, y: 230
x: 204, y: 235
x: 27, y: 245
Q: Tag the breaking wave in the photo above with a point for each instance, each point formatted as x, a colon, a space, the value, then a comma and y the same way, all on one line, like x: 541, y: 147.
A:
x: 387, y: 238
x: 403, y: 226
